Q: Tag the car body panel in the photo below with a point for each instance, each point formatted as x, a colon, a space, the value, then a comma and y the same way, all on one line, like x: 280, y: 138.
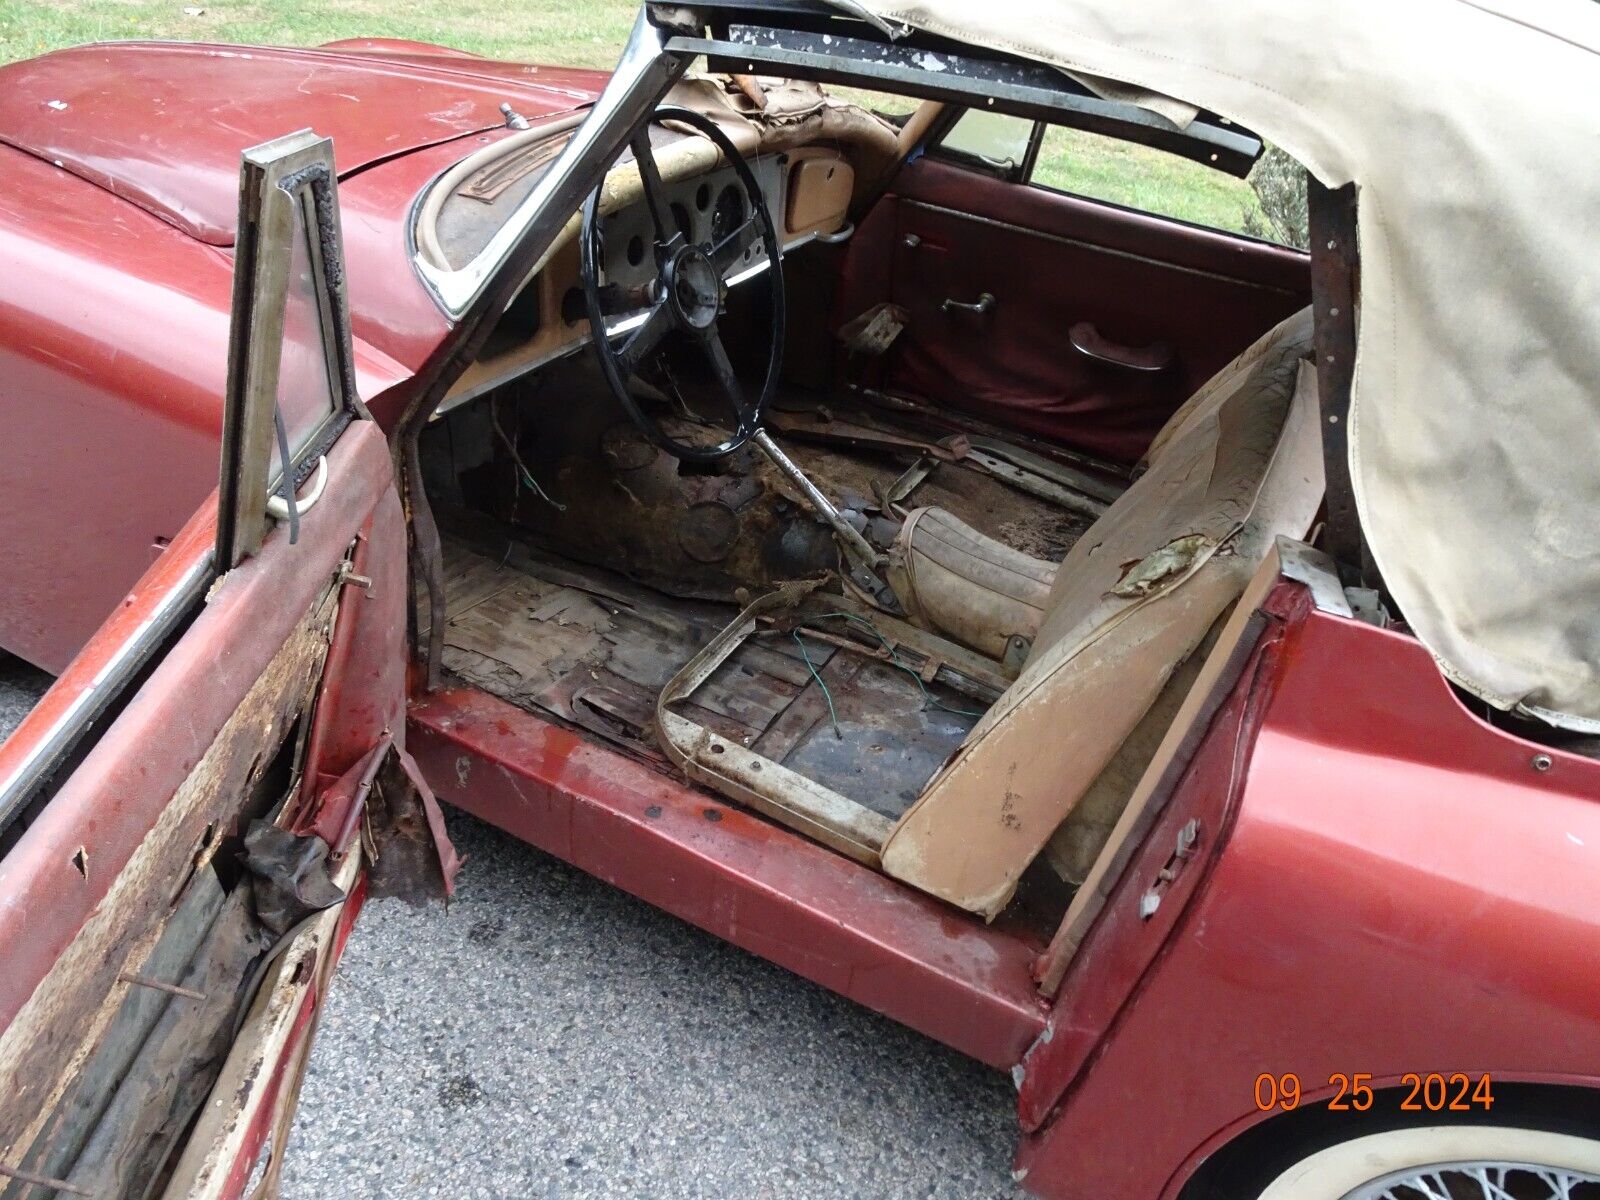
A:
x: 777, y: 894
x: 1403, y: 889
x: 112, y: 430
x: 109, y: 220
x: 162, y: 123
x: 282, y: 642
x: 390, y: 310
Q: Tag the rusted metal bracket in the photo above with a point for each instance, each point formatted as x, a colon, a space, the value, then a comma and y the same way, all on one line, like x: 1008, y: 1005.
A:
x: 348, y: 577
x: 43, y: 1181
x: 1335, y: 284
x: 170, y: 989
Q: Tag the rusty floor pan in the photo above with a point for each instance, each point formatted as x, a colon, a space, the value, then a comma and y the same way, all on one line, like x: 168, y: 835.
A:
x: 594, y: 650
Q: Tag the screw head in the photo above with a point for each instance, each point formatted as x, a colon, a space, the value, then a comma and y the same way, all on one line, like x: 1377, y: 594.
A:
x: 1542, y: 762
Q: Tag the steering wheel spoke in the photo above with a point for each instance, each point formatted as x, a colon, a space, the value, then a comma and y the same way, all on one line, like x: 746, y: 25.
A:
x: 618, y: 301
x: 686, y: 295
x: 729, y: 253
x: 654, y: 190
x: 646, y: 338
x: 727, y: 377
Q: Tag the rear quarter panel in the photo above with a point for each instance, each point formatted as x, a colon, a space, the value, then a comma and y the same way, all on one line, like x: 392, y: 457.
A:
x: 1402, y: 890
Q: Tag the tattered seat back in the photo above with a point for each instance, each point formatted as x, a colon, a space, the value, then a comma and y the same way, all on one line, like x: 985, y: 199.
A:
x: 1238, y: 465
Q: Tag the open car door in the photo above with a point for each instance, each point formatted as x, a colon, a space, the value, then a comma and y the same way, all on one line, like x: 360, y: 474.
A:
x: 193, y: 814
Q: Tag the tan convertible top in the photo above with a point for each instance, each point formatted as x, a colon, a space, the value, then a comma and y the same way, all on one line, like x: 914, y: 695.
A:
x: 1471, y: 130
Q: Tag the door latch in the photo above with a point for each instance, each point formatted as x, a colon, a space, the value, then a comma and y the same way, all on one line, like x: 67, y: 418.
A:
x: 978, y: 308
x: 1188, y: 839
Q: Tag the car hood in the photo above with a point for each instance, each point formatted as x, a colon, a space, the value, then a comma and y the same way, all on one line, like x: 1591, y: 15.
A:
x: 163, y: 124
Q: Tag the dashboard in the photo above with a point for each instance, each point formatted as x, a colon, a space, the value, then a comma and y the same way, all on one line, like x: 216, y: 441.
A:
x: 807, y: 190
x: 704, y: 210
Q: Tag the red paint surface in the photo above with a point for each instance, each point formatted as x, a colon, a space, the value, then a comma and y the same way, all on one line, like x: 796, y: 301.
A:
x: 732, y: 873
x: 1401, y: 891
x: 112, y: 421
x: 136, y: 609
x: 112, y: 430
x: 115, y: 796
x: 363, y: 697
x: 390, y: 310
x: 162, y: 124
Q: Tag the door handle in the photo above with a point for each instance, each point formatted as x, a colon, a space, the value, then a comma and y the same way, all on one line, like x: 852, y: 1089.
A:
x: 1089, y: 342
x: 278, y: 507
x: 978, y: 308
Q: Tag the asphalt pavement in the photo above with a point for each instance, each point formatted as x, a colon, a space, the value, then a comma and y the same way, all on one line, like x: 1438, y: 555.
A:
x: 551, y: 1038
x: 20, y: 686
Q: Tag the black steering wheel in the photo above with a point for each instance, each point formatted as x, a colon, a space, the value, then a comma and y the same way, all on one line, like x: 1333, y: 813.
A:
x: 685, y: 298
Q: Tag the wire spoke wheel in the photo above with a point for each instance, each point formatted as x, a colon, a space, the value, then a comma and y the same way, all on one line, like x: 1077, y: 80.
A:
x: 1482, y: 1181
x: 1461, y: 1161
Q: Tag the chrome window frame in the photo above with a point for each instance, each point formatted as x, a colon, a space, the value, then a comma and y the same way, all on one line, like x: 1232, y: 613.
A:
x: 288, y: 188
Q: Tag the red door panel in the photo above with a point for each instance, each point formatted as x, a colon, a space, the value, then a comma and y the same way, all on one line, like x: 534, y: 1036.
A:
x: 1051, y: 262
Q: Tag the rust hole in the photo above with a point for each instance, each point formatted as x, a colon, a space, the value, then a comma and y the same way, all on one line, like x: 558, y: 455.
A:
x: 713, y: 814
x: 80, y: 860
x: 653, y: 811
x: 716, y: 748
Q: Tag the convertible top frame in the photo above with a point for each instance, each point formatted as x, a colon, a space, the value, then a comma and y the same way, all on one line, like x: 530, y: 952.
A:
x: 819, y: 43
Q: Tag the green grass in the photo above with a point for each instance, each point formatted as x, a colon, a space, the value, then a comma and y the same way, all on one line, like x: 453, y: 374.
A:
x: 588, y: 33
x: 1138, y: 177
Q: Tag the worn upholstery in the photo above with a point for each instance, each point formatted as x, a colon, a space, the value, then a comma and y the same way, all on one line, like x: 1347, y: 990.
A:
x: 1474, y: 421
x: 1236, y: 466
x: 975, y: 590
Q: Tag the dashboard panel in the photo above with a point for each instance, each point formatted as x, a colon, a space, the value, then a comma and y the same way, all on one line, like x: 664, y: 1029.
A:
x: 807, y: 189
x: 704, y: 210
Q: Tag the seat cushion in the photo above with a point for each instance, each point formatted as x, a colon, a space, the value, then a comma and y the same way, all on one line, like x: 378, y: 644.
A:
x: 965, y: 585
x: 1240, y: 464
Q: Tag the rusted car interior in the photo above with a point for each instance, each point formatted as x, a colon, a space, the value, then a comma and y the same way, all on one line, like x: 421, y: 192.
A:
x: 765, y: 494
x: 975, y: 584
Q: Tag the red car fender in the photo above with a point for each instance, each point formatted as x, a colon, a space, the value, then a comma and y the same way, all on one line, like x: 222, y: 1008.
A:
x: 1388, y: 849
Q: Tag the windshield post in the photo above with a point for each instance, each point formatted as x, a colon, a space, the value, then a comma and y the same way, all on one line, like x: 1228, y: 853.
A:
x: 643, y: 75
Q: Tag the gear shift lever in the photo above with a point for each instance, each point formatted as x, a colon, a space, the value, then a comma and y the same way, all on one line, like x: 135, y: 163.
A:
x: 863, y: 560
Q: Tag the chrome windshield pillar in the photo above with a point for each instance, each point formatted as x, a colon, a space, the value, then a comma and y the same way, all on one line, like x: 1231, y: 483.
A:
x: 647, y: 69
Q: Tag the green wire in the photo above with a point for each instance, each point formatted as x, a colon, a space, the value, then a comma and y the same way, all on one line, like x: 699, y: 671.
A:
x: 826, y: 694
x: 896, y: 660
x: 533, y: 484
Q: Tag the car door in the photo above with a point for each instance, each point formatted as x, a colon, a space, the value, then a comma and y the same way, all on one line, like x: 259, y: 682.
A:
x: 192, y: 816
x: 1066, y: 283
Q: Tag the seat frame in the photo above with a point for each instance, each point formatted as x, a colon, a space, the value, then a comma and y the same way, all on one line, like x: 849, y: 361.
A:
x: 767, y: 786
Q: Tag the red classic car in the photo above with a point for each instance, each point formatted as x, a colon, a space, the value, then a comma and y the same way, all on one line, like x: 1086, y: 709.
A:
x: 1158, y: 662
